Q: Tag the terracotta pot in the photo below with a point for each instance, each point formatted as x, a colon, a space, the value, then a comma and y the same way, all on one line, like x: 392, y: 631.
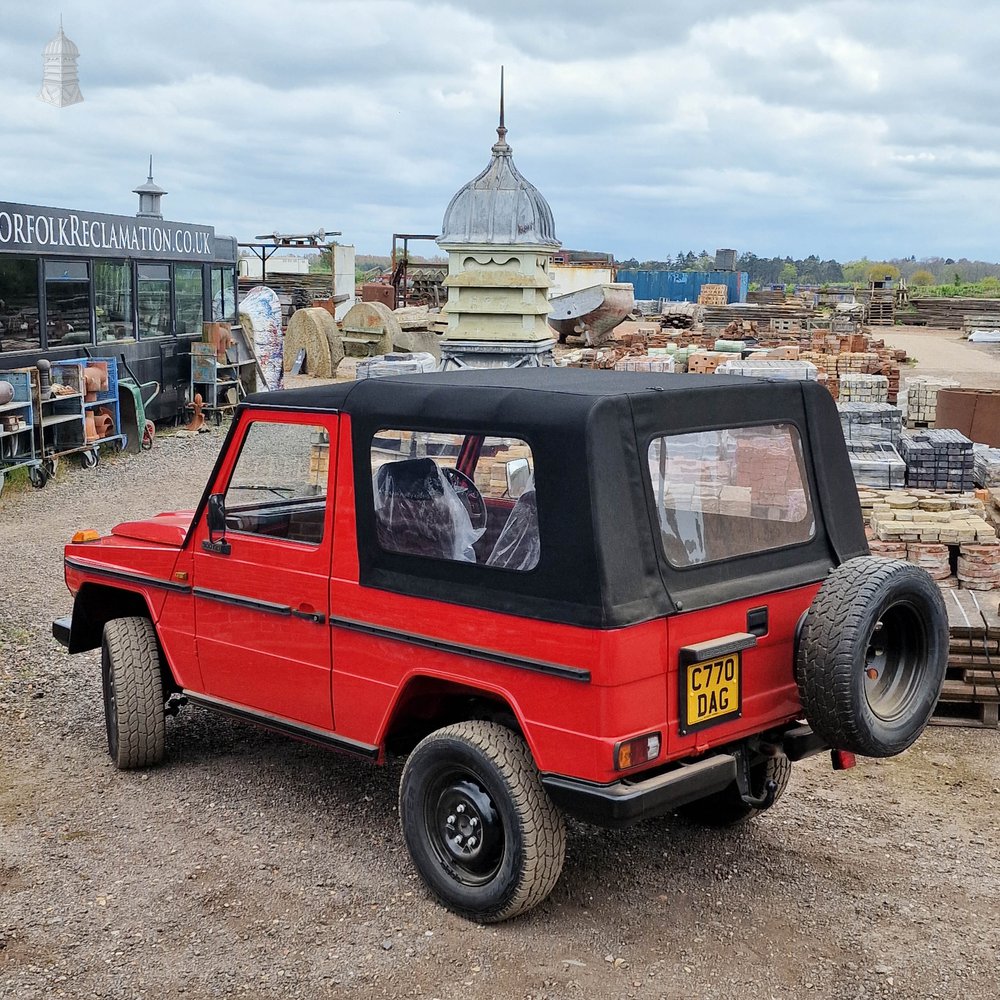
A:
x: 6, y: 393
x: 92, y: 382
x: 92, y: 434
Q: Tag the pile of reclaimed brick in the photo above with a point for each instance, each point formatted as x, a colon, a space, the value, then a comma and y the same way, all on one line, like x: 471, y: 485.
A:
x: 858, y: 387
x: 754, y: 367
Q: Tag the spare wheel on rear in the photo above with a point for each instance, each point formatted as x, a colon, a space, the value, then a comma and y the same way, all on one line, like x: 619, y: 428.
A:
x: 871, y: 656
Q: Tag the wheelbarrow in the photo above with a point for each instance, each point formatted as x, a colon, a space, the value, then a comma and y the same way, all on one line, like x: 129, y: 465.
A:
x: 133, y: 398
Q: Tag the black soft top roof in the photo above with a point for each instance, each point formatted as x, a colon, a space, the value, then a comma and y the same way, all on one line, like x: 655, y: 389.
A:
x: 601, y: 562
x: 491, y: 384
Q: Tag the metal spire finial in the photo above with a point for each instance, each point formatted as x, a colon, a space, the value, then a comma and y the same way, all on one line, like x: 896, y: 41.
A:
x: 150, y: 167
x: 501, y: 143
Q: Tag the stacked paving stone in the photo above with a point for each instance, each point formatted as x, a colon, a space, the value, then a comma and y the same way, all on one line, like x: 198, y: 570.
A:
x: 938, y: 459
x: 856, y: 387
x: 867, y: 423
x: 877, y: 464
x: 986, y: 466
x: 919, y: 398
x: 798, y: 371
x: 645, y: 363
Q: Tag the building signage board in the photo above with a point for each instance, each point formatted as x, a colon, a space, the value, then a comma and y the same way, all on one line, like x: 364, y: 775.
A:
x: 63, y: 232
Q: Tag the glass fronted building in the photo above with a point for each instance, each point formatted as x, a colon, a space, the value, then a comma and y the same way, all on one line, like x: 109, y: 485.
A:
x: 138, y: 288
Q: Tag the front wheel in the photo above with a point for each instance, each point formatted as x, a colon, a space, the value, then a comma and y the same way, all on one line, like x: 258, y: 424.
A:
x: 483, y: 834
x: 133, y: 693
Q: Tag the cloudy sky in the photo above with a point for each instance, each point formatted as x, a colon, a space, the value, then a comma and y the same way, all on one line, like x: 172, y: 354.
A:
x: 837, y: 128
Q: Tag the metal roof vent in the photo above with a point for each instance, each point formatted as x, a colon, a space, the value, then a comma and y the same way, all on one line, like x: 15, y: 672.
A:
x: 499, y: 206
x: 60, y: 78
x: 149, y: 194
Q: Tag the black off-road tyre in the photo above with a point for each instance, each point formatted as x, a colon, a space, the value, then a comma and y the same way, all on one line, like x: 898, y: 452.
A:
x: 478, y: 780
x: 727, y: 808
x: 133, y: 693
x: 872, y: 655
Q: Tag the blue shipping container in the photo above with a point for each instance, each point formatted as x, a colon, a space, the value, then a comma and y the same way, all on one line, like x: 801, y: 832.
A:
x: 684, y: 286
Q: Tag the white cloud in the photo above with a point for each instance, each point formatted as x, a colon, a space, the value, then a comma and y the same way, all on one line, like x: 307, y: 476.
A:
x: 840, y: 128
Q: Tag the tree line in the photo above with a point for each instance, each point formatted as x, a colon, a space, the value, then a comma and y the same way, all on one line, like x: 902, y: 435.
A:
x: 812, y: 270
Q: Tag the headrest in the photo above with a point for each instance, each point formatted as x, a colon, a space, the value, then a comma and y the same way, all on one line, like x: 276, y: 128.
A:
x: 413, y: 479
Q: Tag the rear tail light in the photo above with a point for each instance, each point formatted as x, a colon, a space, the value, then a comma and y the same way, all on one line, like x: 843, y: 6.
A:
x: 639, y: 750
x: 842, y: 759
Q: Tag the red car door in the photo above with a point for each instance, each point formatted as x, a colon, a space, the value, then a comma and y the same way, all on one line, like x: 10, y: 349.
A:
x: 261, y: 591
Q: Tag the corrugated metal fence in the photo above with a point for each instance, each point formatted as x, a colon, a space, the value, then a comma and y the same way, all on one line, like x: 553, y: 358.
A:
x: 684, y: 286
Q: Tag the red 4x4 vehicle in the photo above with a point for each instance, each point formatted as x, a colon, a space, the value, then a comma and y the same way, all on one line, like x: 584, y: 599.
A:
x: 614, y: 595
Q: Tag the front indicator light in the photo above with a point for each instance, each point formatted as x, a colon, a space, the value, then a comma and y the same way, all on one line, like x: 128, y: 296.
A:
x: 87, y: 535
x: 639, y: 750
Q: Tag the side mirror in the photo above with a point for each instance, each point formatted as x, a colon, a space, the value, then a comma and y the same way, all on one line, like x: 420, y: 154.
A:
x: 216, y: 541
x: 518, y: 474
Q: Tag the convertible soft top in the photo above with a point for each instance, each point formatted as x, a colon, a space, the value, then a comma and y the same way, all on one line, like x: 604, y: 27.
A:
x: 601, y: 562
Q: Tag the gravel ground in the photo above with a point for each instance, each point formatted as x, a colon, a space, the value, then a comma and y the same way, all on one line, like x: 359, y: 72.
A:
x: 253, y: 866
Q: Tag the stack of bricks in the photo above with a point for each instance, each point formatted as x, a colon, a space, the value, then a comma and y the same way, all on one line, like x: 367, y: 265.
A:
x: 713, y: 295
x: 856, y: 343
x: 861, y: 388
x: 933, y: 557
x: 857, y: 361
x: 938, y: 459
x: 866, y: 423
x: 705, y: 362
x: 770, y: 471
x: 645, y: 363
x: 919, y: 399
x: 923, y: 516
x: 798, y: 371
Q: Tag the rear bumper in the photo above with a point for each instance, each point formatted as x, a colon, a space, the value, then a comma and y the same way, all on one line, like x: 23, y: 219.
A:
x: 623, y: 803
x: 626, y: 802
x: 61, y: 629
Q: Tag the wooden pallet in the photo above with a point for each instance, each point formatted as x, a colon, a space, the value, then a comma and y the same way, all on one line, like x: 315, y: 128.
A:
x: 971, y: 692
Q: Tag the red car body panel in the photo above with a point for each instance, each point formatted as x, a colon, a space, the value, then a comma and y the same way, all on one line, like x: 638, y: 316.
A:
x: 285, y: 629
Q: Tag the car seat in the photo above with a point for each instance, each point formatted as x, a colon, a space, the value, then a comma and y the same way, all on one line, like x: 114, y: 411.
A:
x: 517, y: 546
x: 418, y: 513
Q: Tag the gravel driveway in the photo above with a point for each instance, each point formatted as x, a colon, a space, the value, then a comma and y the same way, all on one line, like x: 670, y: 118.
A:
x: 252, y: 866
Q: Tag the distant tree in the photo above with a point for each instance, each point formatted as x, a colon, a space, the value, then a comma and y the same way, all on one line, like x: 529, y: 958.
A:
x: 856, y: 270
x: 882, y: 270
x: 990, y: 284
x: 922, y: 277
x: 788, y: 274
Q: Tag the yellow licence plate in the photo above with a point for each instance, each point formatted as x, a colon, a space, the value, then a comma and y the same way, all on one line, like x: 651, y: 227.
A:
x: 710, y: 692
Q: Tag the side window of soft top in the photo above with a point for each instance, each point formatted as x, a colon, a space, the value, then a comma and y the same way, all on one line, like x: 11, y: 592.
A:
x: 456, y: 496
x: 278, y: 486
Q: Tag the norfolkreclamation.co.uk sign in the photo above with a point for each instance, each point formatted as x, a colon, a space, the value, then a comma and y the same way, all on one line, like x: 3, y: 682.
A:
x: 32, y: 229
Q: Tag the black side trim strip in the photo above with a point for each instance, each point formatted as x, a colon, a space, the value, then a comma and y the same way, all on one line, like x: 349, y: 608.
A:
x: 297, y: 730
x: 442, y: 646
x: 243, y: 602
x: 123, y: 574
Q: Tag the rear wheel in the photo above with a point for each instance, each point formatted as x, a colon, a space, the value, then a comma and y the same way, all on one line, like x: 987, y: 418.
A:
x: 482, y: 831
x: 133, y: 693
x: 726, y: 808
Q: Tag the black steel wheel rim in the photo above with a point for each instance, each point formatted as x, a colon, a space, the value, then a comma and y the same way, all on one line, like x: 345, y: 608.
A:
x: 464, y: 827
x: 896, y: 661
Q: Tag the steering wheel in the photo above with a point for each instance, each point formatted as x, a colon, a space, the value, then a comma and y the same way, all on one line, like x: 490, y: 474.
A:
x: 468, y: 493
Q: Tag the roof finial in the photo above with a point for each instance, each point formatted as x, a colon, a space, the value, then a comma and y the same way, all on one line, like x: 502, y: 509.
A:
x: 150, y: 167
x: 501, y: 143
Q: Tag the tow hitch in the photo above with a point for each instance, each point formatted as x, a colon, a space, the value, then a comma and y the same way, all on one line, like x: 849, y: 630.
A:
x: 763, y: 801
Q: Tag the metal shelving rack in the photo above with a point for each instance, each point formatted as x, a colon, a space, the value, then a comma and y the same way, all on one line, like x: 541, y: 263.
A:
x: 107, y: 399
x: 219, y: 383
x: 17, y: 446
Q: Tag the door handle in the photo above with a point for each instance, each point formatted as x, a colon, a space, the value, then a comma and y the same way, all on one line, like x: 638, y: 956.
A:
x: 305, y: 612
